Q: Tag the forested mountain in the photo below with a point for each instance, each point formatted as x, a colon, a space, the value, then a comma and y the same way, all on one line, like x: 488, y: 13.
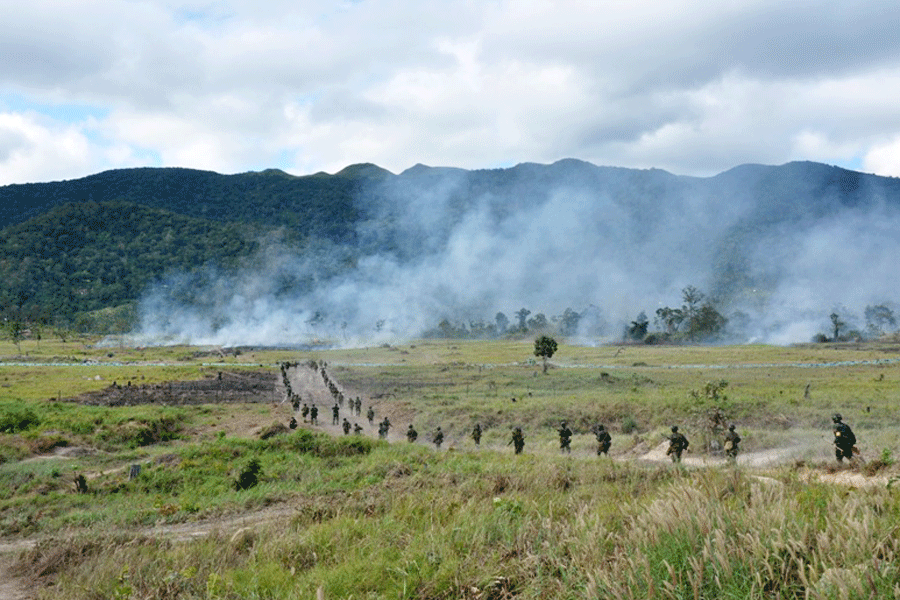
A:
x: 454, y: 244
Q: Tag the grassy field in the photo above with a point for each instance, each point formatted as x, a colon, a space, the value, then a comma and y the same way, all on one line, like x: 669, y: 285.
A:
x: 356, y: 517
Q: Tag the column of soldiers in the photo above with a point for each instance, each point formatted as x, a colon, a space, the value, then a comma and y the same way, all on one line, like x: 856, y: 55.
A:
x: 844, y: 439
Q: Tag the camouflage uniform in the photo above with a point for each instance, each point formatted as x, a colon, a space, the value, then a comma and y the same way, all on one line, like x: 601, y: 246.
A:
x: 732, y: 439
x: 604, y: 440
x: 677, y: 444
x: 346, y: 426
x: 476, y: 434
x: 438, y: 438
x: 844, y: 440
x: 565, y: 438
x: 411, y: 434
x: 518, y: 440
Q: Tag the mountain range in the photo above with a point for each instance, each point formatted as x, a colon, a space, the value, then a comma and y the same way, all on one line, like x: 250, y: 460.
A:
x: 368, y: 253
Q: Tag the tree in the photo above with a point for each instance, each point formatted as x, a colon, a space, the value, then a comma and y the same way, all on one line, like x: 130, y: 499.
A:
x: 522, y: 314
x: 836, y: 324
x: 879, y: 318
x: 569, y: 322
x: 502, y: 322
x: 670, y: 318
x: 692, y: 298
x: 638, y: 328
x: 16, y: 333
x: 538, y: 322
x: 545, y: 347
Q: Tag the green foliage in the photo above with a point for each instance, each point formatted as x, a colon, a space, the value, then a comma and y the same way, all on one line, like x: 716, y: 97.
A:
x: 89, y: 256
x: 249, y: 475
x: 545, y: 347
x: 14, y: 421
x: 140, y: 432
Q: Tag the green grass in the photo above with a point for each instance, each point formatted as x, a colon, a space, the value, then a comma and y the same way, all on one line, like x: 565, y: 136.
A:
x: 363, y: 519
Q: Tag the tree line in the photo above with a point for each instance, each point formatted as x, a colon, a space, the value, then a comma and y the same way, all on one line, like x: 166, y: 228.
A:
x: 698, y: 319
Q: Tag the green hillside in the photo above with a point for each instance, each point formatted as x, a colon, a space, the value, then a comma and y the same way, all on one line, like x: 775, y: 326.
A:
x: 72, y: 247
x: 89, y: 256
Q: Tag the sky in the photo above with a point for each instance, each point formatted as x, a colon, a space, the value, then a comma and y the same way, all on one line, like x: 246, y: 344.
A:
x: 688, y: 86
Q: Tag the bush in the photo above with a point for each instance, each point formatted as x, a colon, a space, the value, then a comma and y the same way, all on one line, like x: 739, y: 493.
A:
x: 249, y: 477
x: 14, y: 421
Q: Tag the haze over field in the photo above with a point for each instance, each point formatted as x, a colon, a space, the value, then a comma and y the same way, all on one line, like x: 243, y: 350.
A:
x: 778, y: 249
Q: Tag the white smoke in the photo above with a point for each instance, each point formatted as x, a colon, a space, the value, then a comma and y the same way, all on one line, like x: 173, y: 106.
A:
x: 427, y: 258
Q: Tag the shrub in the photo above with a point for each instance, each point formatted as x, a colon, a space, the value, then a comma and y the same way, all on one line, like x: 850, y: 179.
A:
x: 249, y: 476
x: 14, y: 421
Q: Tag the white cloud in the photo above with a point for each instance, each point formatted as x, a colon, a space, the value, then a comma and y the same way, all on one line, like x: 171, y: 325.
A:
x: 233, y: 84
x: 33, y: 147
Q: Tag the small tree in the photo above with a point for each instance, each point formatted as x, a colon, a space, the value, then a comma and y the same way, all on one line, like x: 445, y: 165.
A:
x: 638, y: 328
x: 545, y: 347
x: 836, y: 324
x: 522, y: 314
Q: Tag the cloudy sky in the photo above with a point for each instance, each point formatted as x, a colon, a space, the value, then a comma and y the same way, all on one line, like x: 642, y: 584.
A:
x: 690, y: 86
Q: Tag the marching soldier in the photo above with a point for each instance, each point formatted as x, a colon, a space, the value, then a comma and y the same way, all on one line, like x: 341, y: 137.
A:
x: 565, y: 438
x: 476, y: 434
x: 411, y: 434
x: 604, y: 440
x: 844, y: 440
x: 677, y: 444
x: 518, y: 440
x: 732, y: 439
x: 438, y: 438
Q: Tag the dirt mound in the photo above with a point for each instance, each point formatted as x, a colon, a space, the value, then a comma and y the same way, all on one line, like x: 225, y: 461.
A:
x: 226, y: 386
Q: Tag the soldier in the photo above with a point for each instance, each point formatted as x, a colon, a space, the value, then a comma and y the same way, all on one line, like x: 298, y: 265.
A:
x: 438, y: 438
x: 565, y: 438
x: 518, y: 440
x: 293, y: 423
x: 411, y: 434
x: 384, y: 428
x: 314, y: 414
x: 677, y: 444
x: 476, y: 434
x: 296, y: 403
x: 604, y: 440
x: 346, y: 426
x: 370, y: 414
x: 844, y: 440
x: 357, y: 429
x: 304, y: 412
x: 335, y: 414
x: 358, y: 406
x: 732, y: 439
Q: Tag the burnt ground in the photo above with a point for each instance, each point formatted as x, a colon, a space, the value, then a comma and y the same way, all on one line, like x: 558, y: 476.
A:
x: 227, y: 386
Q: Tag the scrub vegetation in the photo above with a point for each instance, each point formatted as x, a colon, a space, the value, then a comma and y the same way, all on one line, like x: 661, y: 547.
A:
x: 215, y: 511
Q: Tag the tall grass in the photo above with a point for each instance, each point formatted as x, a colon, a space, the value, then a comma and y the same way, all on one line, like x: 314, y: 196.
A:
x: 402, y: 522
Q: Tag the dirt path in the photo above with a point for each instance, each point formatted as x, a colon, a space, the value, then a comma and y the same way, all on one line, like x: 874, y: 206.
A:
x: 310, y: 385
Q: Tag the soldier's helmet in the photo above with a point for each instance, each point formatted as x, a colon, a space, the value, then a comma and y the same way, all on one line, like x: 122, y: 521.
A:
x: 674, y: 428
x: 836, y: 417
x: 601, y: 427
x: 731, y: 427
